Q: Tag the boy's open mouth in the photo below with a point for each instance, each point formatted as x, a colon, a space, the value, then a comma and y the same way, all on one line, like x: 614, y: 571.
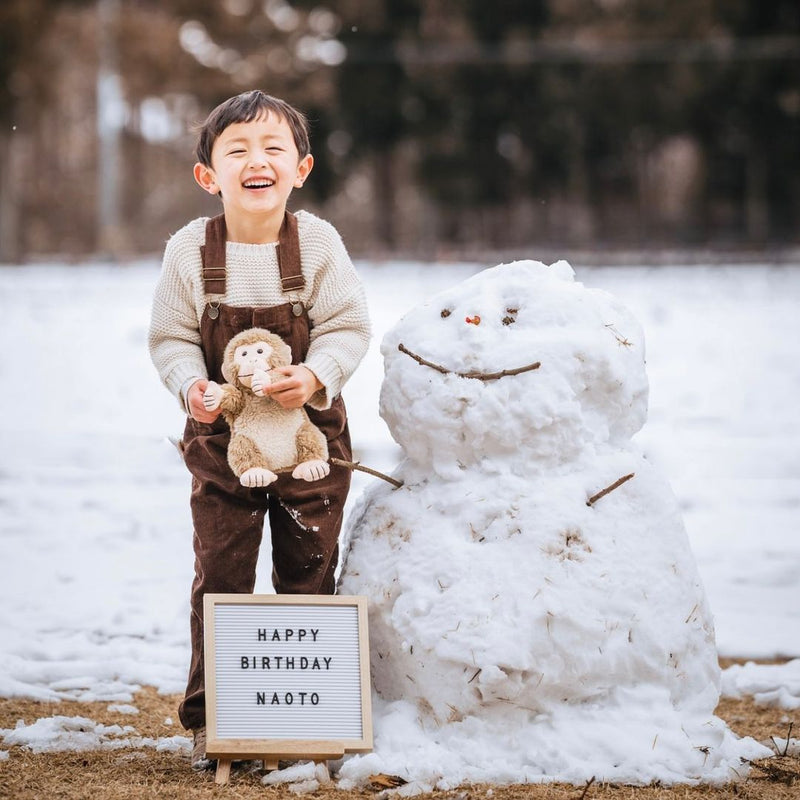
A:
x: 258, y: 183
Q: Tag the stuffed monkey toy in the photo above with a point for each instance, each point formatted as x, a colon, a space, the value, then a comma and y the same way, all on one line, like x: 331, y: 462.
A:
x: 265, y: 437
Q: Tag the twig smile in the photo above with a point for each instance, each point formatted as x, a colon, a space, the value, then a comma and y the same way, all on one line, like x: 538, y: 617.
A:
x: 481, y: 376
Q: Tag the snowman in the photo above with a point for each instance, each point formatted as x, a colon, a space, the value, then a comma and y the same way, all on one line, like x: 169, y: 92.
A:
x: 536, y: 613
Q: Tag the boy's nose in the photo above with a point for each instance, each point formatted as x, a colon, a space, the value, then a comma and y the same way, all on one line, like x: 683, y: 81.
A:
x: 258, y: 158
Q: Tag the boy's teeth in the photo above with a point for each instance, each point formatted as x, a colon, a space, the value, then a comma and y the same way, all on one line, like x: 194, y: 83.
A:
x: 257, y: 184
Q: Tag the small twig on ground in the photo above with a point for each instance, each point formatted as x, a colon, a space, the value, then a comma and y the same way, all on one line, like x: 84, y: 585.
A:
x: 481, y: 376
x: 355, y: 465
x: 595, y: 497
x: 788, y: 740
x: 586, y: 788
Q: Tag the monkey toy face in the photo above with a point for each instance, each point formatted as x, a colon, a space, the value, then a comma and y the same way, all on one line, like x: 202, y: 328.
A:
x: 252, y: 351
x: 252, y: 358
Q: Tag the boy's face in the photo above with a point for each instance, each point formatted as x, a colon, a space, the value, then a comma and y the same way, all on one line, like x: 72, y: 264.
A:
x: 254, y: 166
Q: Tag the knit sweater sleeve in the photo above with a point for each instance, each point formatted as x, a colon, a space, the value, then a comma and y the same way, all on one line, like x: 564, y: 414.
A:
x: 340, y: 321
x: 174, y: 336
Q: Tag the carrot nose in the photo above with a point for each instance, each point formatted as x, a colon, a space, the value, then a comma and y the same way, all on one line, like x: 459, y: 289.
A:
x: 476, y: 320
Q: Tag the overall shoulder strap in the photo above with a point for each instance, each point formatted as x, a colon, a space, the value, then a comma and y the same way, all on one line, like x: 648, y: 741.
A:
x: 213, y: 256
x: 289, y: 255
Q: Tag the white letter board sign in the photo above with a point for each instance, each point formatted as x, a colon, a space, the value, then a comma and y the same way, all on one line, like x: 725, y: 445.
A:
x: 286, y: 675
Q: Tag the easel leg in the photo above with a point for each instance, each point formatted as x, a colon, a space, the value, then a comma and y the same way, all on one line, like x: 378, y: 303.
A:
x: 223, y: 770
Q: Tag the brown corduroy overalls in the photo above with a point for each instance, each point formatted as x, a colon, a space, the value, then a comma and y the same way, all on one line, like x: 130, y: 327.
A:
x: 304, y: 518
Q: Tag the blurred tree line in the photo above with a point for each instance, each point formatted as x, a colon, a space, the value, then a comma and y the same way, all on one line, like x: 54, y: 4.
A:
x: 438, y: 126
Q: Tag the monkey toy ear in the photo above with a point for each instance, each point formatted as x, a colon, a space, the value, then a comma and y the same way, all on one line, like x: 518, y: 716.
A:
x: 230, y: 371
x: 281, y: 352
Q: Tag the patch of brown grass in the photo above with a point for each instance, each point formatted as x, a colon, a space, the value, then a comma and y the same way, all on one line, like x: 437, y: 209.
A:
x: 130, y: 774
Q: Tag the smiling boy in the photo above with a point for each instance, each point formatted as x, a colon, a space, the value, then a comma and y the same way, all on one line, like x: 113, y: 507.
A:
x: 257, y: 265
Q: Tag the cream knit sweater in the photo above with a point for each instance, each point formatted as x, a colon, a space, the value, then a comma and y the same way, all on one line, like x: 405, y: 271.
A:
x: 333, y: 295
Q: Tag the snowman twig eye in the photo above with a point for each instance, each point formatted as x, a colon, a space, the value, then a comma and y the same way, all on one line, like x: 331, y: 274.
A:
x: 481, y: 376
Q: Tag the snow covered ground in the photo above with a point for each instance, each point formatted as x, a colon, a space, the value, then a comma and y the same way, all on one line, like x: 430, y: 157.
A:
x: 94, y: 522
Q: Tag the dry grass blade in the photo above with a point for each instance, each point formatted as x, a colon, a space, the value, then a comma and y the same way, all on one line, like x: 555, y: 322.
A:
x: 781, y: 769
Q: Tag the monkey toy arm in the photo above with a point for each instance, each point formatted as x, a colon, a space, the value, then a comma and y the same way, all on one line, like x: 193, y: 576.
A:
x: 227, y: 398
x: 261, y: 379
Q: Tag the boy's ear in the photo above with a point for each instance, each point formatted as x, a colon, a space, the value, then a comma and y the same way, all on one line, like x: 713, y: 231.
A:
x: 303, y: 169
x: 205, y: 178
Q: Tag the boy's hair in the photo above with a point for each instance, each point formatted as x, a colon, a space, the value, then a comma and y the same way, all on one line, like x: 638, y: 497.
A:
x: 246, y: 107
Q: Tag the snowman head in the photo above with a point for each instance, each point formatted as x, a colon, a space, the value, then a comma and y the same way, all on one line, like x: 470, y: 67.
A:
x: 461, y: 389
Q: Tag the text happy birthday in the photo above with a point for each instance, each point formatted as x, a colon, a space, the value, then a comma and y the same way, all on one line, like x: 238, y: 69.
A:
x: 272, y: 662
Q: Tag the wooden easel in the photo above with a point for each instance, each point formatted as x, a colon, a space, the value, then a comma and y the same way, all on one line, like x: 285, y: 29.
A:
x: 299, y: 752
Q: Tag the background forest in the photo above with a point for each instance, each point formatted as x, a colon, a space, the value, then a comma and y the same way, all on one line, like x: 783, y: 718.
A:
x: 439, y: 127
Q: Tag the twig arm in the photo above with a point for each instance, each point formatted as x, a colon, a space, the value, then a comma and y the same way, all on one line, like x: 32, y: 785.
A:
x: 595, y: 497
x: 355, y: 465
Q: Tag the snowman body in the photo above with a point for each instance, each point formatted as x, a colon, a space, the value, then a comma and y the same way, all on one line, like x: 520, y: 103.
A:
x: 519, y: 629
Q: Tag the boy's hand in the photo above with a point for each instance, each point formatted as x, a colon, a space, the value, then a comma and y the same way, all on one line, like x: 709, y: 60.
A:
x: 298, y: 385
x: 195, y: 402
